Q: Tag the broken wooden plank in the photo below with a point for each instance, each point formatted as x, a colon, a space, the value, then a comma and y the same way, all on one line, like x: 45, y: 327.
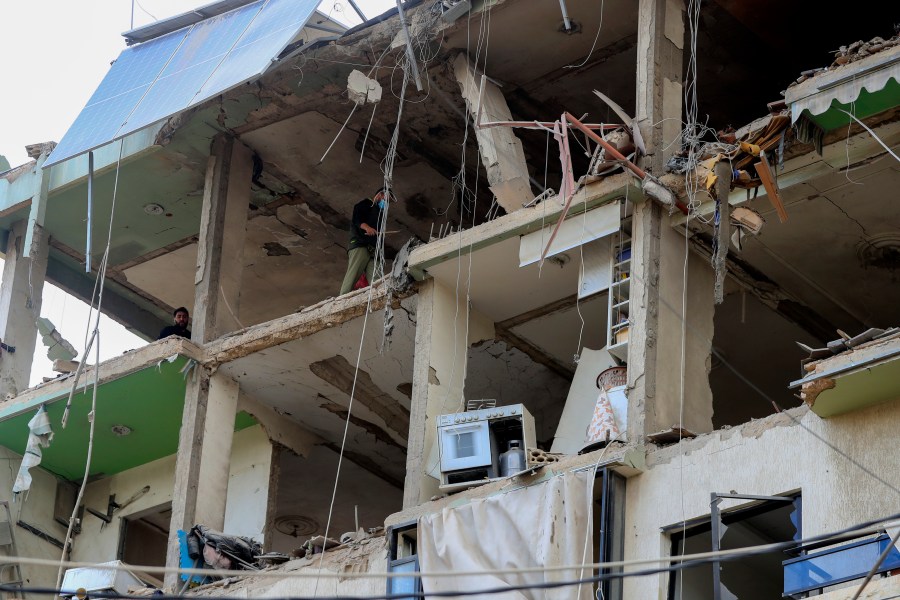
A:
x: 765, y: 175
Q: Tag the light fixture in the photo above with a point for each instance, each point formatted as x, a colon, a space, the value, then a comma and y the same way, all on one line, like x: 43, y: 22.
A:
x: 121, y: 430
x: 154, y: 209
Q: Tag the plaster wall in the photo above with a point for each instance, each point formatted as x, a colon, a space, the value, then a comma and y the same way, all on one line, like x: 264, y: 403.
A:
x: 445, y: 329
x: 35, y: 509
x: 245, y: 511
x: 248, y: 483
x: 696, y: 330
x: 770, y: 456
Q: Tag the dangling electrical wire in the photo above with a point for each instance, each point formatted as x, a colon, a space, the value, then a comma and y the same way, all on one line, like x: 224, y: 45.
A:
x: 388, y: 170
x: 99, y: 286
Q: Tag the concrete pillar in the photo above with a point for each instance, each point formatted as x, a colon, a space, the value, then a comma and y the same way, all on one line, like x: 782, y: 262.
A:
x: 657, y: 329
x: 501, y: 151
x: 223, y: 228
x: 20, y: 306
x: 204, y: 457
x: 438, y: 379
x: 660, y: 58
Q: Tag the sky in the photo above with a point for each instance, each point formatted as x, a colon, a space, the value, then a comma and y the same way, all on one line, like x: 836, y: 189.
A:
x: 55, y: 53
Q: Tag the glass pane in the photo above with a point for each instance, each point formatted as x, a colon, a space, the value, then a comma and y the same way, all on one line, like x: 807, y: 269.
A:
x: 401, y: 585
x: 465, y: 445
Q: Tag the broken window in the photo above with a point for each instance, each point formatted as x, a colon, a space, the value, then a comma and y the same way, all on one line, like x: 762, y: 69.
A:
x: 403, y: 558
x: 765, y: 520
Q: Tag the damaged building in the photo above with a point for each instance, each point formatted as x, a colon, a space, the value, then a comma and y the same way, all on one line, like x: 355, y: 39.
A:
x: 632, y: 329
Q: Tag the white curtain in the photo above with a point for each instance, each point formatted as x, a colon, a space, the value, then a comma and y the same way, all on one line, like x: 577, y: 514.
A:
x: 543, y: 525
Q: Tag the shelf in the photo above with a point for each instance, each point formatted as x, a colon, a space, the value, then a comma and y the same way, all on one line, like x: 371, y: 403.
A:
x: 619, y: 350
x: 623, y: 284
x: 619, y: 300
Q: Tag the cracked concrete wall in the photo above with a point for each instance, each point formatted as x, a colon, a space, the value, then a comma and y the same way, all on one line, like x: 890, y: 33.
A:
x: 445, y: 329
x: 771, y: 456
x: 500, y: 371
x: 688, y: 320
x: 658, y: 329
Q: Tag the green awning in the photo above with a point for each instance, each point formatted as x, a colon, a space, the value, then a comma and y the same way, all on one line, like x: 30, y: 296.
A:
x: 863, y: 88
x: 148, y: 402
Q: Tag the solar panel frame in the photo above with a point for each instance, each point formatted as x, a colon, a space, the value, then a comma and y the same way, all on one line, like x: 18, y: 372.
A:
x: 152, y: 81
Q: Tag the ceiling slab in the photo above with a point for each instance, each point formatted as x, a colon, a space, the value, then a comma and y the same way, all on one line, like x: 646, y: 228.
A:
x: 148, y: 402
x: 281, y: 378
x: 549, y: 46
x: 818, y: 256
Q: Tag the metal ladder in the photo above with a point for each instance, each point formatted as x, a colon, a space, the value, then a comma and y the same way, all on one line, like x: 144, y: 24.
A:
x: 8, y: 546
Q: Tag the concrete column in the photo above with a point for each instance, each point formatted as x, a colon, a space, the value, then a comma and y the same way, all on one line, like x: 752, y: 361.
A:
x: 20, y: 305
x: 659, y: 335
x: 223, y: 228
x: 660, y: 58
x: 501, y: 151
x: 204, y: 457
x: 438, y: 379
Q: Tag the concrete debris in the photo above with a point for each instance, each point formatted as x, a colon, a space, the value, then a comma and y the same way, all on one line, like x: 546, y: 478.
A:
x: 846, y: 342
x: 36, y: 150
x: 361, y: 89
x: 400, y: 277
x: 845, y: 55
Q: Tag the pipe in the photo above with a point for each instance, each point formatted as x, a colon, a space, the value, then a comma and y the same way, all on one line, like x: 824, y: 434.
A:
x: 90, y: 211
x: 565, y: 14
x: 358, y: 11
x: 409, y: 49
x: 616, y: 154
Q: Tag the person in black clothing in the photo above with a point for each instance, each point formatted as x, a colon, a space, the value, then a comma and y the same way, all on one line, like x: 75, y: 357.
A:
x: 181, y: 316
x: 363, y: 233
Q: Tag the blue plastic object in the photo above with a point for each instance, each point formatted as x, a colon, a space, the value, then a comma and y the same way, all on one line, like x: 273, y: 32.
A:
x: 837, y: 565
x: 184, y: 560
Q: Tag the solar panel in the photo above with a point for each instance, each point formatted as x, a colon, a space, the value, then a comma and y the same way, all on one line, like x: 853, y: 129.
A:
x: 164, y: 76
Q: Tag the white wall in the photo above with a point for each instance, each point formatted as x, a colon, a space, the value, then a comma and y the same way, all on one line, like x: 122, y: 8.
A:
x: 770, y: 456
x: 251, y: 458
x: 36, y: 509
x: 248, y: 483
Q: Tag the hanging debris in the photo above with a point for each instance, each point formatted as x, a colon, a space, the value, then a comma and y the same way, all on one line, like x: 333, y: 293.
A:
x: 39, y: 435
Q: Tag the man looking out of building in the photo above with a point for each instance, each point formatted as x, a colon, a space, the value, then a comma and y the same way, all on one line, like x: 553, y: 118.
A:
x: 181, y: 317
